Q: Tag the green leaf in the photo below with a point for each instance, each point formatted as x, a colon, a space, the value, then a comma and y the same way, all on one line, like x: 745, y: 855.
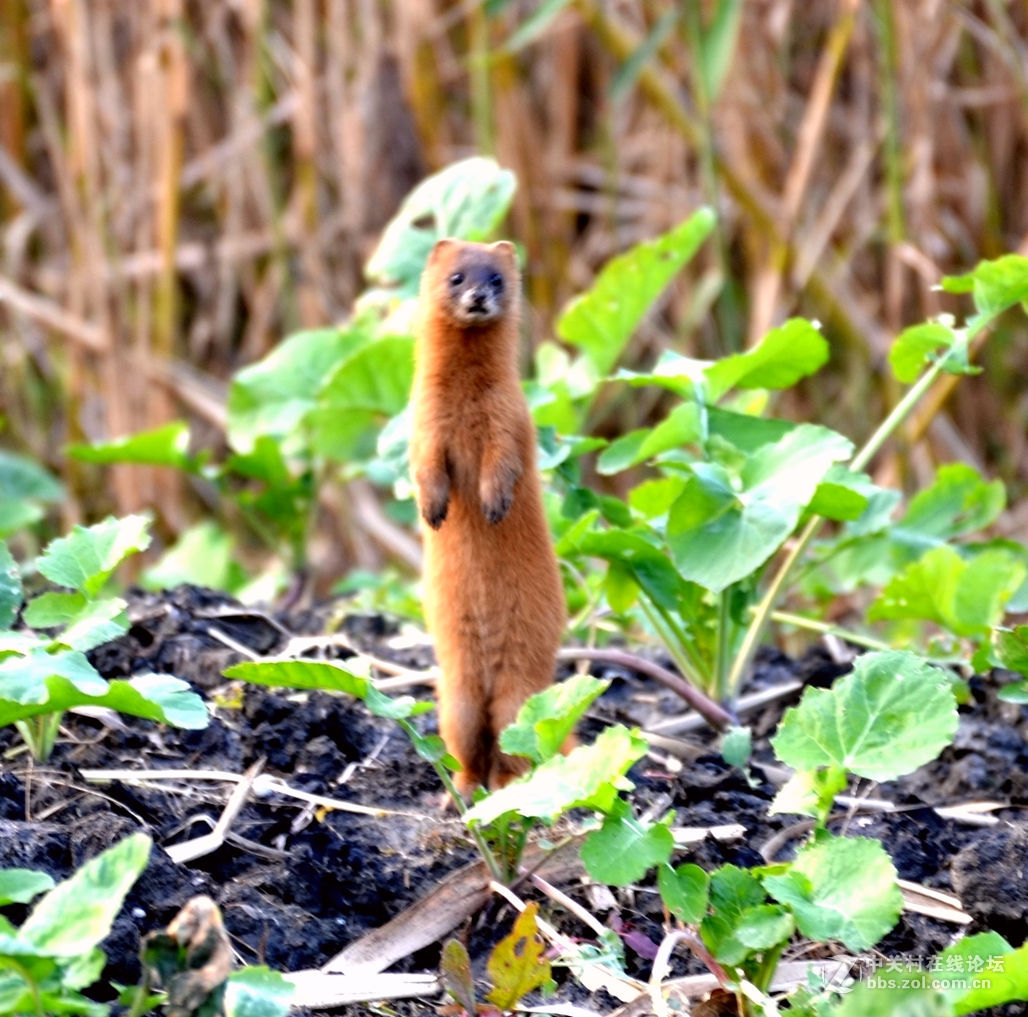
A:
x: 996, y: 284
x: 11, y: 593
x: 623, y: 849
x: 86, y: 557
x: 26, y: 679
x: 467, y: 199
x: 628, y: 73
x: 76, y: 914
x: 919, y: 345
x: 718, y: 45
x: 682, y: 426
x: 842, y: 495
x: 590, y: 777
x: 24, y: 487
x: 733, y: 891
x: 965, y: 596
x: 786, y: 354
x: 764, y: 926
x: 810, y: 793
x: 908, y: 994
x: 455, y: 972
x: 534, y: 24
x: 271, y: 397
x: 19, y: 886
x: 891, y: 714
x: 1001, y: 973
x: 518, y: 964
x: 86, y: 623
x: 720, y: 534
x: 602, y: 320
x: 157, y: 697
x: 204, y: 554
x: 163, y: 446
x: 684, y: 891
x: 1011, y: 648
x: 548, y: 717
x: 257, y: 992
x: 313, y: 674
x: 736, y: 746
x: 959, y: 501
x: 841, y: 888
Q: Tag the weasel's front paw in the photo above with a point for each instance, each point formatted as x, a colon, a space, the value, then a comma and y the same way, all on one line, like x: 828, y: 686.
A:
x: 497, y: 507
x: 435, y: 512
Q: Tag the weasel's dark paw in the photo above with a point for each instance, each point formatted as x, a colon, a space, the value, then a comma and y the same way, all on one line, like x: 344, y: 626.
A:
x: 435, y: 514
x: 497, y: 508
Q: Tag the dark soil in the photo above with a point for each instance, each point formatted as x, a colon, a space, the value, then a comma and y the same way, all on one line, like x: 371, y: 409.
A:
x: 301, y: 882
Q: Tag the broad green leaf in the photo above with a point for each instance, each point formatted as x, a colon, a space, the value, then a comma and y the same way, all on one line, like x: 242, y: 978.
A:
x: 76, y: 914
x: 964, y: 596
x: 654, y: 498
x: 891, y: 714
x: 25, y: 487
x: 25, y: 680
x: 623, y: 849
x: 163, y: 446
x: 959, y: 501
x: 204, y: 554
x: 159, y: 697
x: 907, y: 992
x: 842, y: 495
x: 257, y: 992
x: 82, y: 971
x: 518, y: 964
x: 917, y: 346
x: 468, y: 200
x: 733, y: 891
x: 590, y: 777
x: 11, y: 593
x: 786, y: 354
x: 744, y: 431
x: 685, y: 376
x: 682, y: 426
x: 313, y: 674
x: 86, y: 623
x: 86, y: 557
x: 19, y: 886
x: 764, y: 926
x: 996, y: 285
x: 993, y: 972
x: 684, y: 891
x: 547, y: 718
x: 841, y: 888
x: 272, y: 396
x: 647, y: 564
x: 720, y: 533
x: 602, y: 320
x: 376, y: 377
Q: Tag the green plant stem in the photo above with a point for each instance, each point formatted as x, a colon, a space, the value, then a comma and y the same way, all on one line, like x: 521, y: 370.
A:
x: 828, y: 629
x: 762, y: 613
x: 30, y: 983
x: 675, y: 641
x: 444, y: 775
x: 723, y: 643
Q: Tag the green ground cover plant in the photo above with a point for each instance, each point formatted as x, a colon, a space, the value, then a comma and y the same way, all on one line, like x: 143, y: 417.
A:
x: 44, y: 670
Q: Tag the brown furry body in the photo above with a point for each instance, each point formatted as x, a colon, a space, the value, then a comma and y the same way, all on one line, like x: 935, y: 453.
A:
x: 493, y: 596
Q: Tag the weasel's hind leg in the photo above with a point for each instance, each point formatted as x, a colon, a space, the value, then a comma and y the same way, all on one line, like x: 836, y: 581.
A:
x: 464, y: 726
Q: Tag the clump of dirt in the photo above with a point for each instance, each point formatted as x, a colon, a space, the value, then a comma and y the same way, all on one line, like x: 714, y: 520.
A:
x: 297, y: 881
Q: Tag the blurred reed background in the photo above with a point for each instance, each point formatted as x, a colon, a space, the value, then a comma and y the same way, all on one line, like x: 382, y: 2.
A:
x: 185, y: 182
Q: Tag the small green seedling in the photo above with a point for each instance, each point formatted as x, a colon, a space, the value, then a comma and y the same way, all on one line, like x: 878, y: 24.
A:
x: 44, y: 671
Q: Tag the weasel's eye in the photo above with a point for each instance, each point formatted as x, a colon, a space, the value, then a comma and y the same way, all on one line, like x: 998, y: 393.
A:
x: 457, y: 278
x: 496, y: 280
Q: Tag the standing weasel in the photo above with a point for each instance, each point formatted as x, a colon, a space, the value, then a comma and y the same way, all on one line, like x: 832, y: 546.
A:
x: 493, y: 596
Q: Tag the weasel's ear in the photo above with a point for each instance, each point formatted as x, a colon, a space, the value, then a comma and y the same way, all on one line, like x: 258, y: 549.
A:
x: 441, y: 245
x: 506, y: 248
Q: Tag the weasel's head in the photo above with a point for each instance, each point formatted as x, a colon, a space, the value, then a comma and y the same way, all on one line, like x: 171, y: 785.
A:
x: 471, y: 284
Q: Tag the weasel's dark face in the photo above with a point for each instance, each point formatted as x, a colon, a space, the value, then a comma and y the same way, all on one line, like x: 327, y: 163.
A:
x: 476, y: 283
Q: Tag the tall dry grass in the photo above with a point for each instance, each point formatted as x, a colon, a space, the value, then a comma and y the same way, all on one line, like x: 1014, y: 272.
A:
x: 182, y: 183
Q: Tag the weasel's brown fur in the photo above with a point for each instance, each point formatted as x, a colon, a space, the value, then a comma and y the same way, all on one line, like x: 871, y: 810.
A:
x: 493, y: 596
